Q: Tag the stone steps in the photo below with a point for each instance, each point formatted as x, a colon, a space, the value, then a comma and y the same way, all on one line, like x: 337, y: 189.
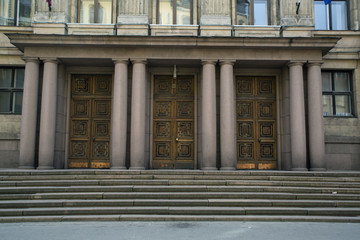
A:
x: 176, y: 202
x: 107, y: 195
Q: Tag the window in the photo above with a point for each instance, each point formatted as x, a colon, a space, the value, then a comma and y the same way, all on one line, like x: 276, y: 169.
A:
x: 252, y: 12
x: 332, y: 16
x: 11, y: 89
x: 175, y: 12
x: 15, y: 12
x: 337, y: 94
x: 95, y: 11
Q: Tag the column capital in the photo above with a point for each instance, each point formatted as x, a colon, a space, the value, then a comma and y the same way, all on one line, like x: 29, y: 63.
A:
x: 139, y: 60
x: 31, y: 59
x: 296, y: 63
x: 209, y: 61
x: 120, y: 60
x: 51, y: 60
x: 228, y: 61
x: 315, y: 63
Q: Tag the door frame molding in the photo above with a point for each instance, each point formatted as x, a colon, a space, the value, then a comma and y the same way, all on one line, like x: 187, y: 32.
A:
x: 169, y: 72
x: 277, y: 73
x: 67, y: 95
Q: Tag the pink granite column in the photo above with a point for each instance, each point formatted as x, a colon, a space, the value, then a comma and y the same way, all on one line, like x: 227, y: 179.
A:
x: 48, y: 115
x: 315, y: 116
x: 297, y: 117
x: 119, y: 115
x: 208, y: 116
x: 227, y: 116
x: 29, y: 113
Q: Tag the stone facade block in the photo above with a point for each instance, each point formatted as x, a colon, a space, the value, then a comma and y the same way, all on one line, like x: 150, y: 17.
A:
x: 174, y: 30
x: 256, y: 31
x: 50, y: 28
x: 132, y: 29
x: 216, y: 31
x: 91, y: 29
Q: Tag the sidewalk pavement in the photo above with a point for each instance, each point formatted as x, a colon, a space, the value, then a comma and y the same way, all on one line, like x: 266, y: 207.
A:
x: 179, y: 231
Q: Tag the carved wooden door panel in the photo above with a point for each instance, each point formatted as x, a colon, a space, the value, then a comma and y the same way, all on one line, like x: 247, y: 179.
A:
x: 256, y: 123
x: 173, y: 122
x: 90, y: 121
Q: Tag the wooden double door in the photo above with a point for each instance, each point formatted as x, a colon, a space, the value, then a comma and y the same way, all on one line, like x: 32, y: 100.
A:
x: 90, y: 121
x: 173, y: 123
x: 256, y: 123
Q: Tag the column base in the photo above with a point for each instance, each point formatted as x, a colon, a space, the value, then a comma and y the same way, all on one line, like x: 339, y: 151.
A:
x: 136, y: 168
x: 318, y: 169
x: 299, y: 169
x: 227, y: 169
x: 26, y: 167
x: 209, y: 169
x: 118, y: 168
x: 45, y: 168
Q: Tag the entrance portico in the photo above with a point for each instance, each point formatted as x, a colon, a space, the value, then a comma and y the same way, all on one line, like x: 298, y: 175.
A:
x: 134, y: 61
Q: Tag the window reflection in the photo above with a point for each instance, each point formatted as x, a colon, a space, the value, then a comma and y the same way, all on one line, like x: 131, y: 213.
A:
x: 242, y: 12
x: 9, y: 10
x: 175, y: 12
x: 165, y: 12
x: 95, y: 11
x: 183, y: 8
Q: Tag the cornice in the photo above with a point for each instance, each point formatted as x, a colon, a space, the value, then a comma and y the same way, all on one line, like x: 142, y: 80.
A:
x: 22, y: 41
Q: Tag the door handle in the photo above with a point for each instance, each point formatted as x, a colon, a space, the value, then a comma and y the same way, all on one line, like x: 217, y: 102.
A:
x: 177, y: 139
x: 259, y: 140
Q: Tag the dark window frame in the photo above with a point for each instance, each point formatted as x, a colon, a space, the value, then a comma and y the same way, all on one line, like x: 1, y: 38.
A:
x: 252, y: 14
x: 330, y: 27
x: 334, y: 93
x: 175, y: 12
x: 12, y: 90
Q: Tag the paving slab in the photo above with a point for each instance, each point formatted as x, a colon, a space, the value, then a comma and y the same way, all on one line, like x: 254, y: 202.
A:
x: 178, y: 230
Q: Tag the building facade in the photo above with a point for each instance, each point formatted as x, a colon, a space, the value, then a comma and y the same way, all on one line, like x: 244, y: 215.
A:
x: 185, y: 84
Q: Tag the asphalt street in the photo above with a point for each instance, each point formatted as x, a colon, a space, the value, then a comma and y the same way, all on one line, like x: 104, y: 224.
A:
x: 179, y: 231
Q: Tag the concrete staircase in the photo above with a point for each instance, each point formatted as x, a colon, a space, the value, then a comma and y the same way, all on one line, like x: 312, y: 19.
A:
x: 107, y: 195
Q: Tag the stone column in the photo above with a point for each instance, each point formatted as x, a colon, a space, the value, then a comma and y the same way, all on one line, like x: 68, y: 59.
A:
x: 48, y: 115
x: 208, y: 115
x: 137, y: 137
x: 29, y: 113
x: 297, y: 117
x: 119, y: 115
x: 315, y: 116
x: 227, y: 116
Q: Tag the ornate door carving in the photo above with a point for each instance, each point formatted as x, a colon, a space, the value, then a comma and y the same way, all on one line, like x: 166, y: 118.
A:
x: 90, y: 121
x: 173, y: 113
x: 256, y: 122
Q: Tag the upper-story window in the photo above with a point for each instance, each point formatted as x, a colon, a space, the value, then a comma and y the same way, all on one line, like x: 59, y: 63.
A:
x: 332, y: 16
x: 252, y: 12
x: 11, y: 90
x: 174, y: 12
x: 95, y: 11
x: 337, y: 93
x: 15, y: 12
